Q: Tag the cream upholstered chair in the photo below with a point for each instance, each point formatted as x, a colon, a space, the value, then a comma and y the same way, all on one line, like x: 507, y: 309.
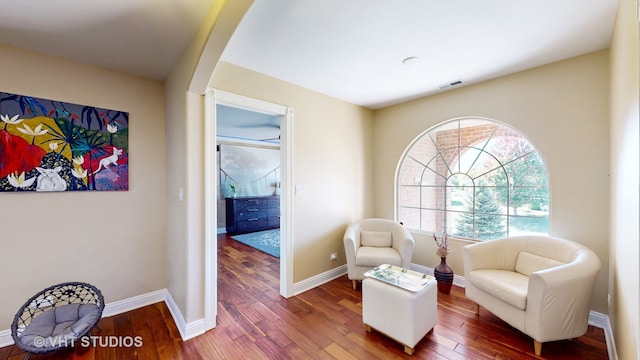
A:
x: 540, y: 285
x: 372, y: 242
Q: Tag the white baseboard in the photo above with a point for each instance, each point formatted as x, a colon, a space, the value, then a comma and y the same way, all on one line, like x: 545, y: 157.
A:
x: 319, y: 279
x: 136, y: 302
x: 601, y: 321
x: 598, y: 320
x: 5, y: 338
x: 608, y: 336
x: 187, y: 330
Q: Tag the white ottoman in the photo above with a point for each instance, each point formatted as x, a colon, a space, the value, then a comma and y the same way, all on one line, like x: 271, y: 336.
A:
x: 403, y: 315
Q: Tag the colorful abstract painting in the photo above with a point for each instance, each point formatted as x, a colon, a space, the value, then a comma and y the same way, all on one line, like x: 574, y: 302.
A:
x: 48, y: 145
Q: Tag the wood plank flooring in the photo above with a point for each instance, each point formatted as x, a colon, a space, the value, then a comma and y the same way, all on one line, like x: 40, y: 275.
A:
x: 254, y: 322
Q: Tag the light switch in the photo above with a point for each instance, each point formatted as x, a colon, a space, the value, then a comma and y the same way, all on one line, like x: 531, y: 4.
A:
x: 298, y: 189
x: 181, y: 194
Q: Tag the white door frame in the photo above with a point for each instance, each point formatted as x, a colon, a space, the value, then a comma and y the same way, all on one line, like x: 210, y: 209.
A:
x: 213, y: 97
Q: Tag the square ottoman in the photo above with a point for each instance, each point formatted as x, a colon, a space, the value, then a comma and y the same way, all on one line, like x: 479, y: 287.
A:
x: 403, y: 315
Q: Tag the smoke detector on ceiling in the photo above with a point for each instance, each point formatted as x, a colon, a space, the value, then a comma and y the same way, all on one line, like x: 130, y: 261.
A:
x: 451, y: 84
x: 411, y: 60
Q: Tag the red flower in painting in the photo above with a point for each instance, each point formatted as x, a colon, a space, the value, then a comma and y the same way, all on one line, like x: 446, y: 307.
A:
x: 17, y: 155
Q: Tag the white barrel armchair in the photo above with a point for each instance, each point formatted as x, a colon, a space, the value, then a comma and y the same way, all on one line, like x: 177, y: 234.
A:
x: 374, y: 241
x: 540, y: 285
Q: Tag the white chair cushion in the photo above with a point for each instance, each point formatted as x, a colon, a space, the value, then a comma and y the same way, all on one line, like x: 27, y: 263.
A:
x: 374, y: 256
x: 528, y: 263
x: 375, y: 238
x: 508, y: 286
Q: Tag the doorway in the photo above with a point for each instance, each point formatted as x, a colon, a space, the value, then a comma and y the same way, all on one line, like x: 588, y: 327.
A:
x: 284, y: 114
x: 248, y: 174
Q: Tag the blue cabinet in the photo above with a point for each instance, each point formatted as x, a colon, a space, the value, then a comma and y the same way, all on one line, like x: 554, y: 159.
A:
x: 250, y: 214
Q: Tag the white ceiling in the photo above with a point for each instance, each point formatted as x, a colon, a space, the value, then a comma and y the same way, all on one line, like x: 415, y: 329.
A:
x: 352, y: 50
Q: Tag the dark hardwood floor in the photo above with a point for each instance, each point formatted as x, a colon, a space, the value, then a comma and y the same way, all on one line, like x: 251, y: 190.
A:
x: 254, y: 322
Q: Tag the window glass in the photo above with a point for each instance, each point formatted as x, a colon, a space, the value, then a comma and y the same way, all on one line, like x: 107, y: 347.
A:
x: 474, y: 178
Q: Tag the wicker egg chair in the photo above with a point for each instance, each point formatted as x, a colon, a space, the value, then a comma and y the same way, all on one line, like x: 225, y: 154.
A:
x: 57, y: 317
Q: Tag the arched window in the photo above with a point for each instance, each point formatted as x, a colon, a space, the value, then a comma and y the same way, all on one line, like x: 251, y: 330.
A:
x: 475, y: 178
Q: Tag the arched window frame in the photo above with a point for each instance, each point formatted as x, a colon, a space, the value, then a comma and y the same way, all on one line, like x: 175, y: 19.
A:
x: 438, y: 169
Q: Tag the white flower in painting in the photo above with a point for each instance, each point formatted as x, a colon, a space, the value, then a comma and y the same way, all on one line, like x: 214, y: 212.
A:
x: 13, y: 121
x: 112, y: 128
x: 19, y: 181
x: 78, y: 160
x: 53, y: 146
x: 33, y: 132
x: 79, y: 172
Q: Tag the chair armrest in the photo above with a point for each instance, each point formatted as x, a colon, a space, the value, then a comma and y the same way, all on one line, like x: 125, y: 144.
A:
x: 404, y: 245
x: 351, y: 240
x: 559, y: 299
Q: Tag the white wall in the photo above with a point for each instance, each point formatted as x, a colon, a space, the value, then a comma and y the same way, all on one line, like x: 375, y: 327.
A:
x: 114, y: 240
x: 562, y: 108
x: 624, y: 279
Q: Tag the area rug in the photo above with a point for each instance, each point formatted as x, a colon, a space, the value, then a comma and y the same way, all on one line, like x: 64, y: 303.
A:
x: 267, y: 241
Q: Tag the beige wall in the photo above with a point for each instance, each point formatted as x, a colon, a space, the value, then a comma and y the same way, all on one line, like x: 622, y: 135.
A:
x: 114, y: 240
x: 332, y: 164
x: 562, y: 108
x: 185, y: 231
x: 185, y: 156
x: 624, y: 281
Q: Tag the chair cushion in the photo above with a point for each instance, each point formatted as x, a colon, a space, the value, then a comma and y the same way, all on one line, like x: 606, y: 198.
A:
x: 374, y: 256
x: 509, y: 286
x: 375, y: 238
x: 528, y: 263
x: 60, y: 325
